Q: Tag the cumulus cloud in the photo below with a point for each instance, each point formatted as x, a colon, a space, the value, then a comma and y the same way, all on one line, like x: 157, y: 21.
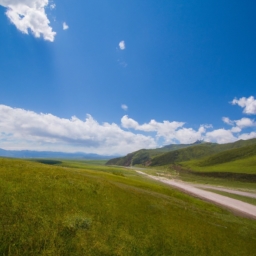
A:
x: 244, y: 122
x: 124, y: 107
x: 220, y: 136
x: 248, y: 104
x: 29, y: 15
x: 19, y: 127
x: 122, y: 45
x: 171, y: 132
x: 235, y: 129
x: 247, y: 136
x: 240, y: 124
x: 65, y: 26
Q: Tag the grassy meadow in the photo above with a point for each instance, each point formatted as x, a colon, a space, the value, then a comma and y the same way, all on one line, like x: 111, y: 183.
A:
x: 86, y: 208
x: 244, y: 165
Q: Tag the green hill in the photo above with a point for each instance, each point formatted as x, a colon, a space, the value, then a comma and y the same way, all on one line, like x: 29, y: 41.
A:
x: 240, y: 160
x: 144, y: 156
x: 228, y: 156
x: 197, y: 152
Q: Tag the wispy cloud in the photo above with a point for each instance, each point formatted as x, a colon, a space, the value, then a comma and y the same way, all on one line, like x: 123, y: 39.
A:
x: 124, y: 107
x: 122, y: 45
x: 65, y: 26
x: 52, y: 6
x: 29, y: 15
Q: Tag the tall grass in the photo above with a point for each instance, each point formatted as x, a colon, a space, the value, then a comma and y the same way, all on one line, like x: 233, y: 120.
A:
x: 51, y: 210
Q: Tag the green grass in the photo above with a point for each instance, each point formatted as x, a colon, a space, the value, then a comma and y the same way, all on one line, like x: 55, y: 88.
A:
x: 80, y: 209
x: 69, y: 162
x: 244, y: 165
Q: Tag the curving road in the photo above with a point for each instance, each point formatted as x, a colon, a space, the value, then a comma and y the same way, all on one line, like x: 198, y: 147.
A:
x: 238, y: 206
x: 229, y: 190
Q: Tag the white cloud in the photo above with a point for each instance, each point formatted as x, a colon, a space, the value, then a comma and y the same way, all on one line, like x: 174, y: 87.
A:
x: 124, y: 107
x: 175, y: 132
x: 240, y: 124
x: 29, y: 15
x: 20, y: 128
x: 65, y: 26
x: 170, y: 131
x: 235, y: 129
x: 224, y: 136
x: 249, y: 104
x: 247, y: 136
x: 52, y: 6
x: 122, y: 45
x: 227, y: 120
x: 244, y: 122
x: 129, y: 122
x: 220, y: 136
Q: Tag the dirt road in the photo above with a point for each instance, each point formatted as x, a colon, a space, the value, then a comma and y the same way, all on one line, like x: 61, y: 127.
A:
x: 233, y: 204
x: 229, y: 190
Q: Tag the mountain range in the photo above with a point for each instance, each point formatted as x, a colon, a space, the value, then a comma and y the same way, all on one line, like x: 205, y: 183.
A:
x: 51, y: 154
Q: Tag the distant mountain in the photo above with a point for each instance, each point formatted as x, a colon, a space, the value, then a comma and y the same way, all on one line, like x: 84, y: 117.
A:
x: 145, y: 156
x: 50, y: 154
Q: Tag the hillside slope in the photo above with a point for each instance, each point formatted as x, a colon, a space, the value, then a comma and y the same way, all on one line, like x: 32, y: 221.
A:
x: 197, y: 152
x: 228, y: 156
x: 144, y: 156
x: 240, y: 160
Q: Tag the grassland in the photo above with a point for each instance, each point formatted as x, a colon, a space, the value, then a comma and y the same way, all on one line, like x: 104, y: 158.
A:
x: 81, y: 209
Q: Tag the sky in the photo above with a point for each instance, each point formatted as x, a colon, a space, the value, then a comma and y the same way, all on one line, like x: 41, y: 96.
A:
x: 111, y: 77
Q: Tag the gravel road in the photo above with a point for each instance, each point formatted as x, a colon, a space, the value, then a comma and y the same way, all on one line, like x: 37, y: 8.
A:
x: 243, y: 208
x: 229, y: 190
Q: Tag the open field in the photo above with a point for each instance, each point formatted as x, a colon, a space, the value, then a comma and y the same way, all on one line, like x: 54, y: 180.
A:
x: 81, y: 209
x: 70, y: 162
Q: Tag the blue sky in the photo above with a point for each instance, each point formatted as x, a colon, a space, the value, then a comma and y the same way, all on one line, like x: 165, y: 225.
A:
x: 111, y: 77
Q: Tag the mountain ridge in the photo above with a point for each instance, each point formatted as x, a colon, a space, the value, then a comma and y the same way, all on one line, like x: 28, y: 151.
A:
x: 144, y: 156
x: 50, y: 154
x: 175, y: 153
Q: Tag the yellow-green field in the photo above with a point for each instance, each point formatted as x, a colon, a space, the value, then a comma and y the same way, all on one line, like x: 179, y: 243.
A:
x: 76, y: 208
